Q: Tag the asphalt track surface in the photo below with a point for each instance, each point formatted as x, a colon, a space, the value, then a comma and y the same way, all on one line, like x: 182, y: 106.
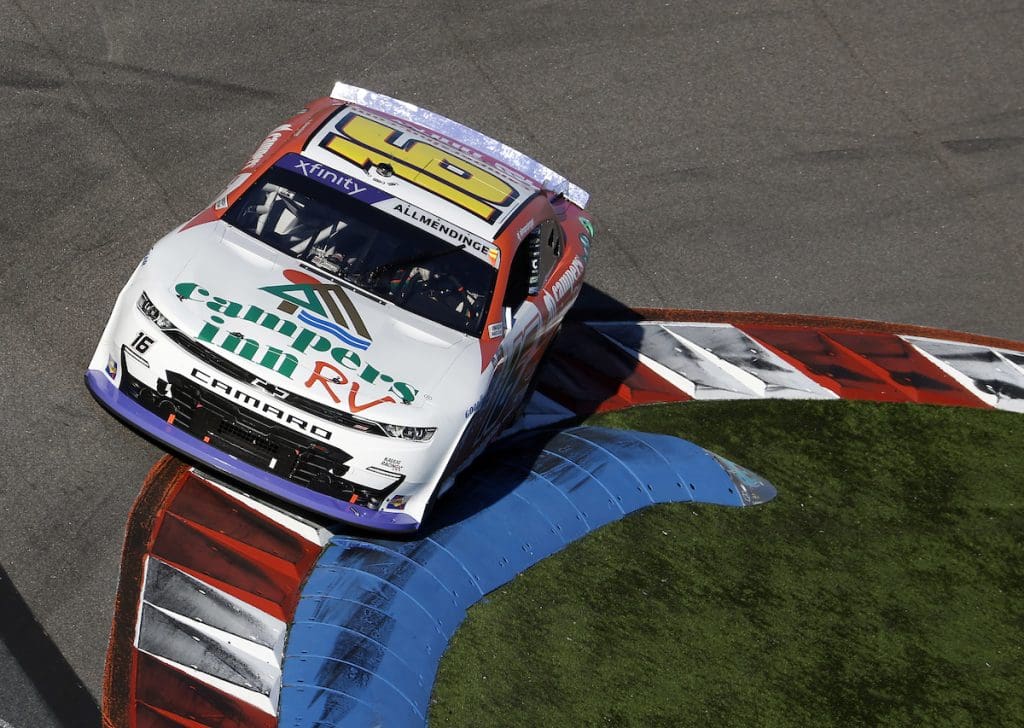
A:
x: 851, y: 159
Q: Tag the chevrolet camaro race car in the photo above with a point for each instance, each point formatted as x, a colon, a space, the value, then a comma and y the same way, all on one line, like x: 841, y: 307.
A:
x: 357, y: 316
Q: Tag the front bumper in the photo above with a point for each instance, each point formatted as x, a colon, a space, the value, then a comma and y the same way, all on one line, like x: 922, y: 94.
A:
x: 127, y: 409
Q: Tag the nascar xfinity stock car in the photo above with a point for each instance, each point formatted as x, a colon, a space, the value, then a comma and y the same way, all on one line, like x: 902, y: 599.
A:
x: 356, y: 316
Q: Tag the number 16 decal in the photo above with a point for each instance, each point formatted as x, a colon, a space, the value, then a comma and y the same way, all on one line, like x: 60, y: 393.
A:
x: 141, y: 343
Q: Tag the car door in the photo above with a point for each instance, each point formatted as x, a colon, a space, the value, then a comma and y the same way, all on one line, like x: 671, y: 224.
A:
x: 523, y: 346
x: 529, y: 329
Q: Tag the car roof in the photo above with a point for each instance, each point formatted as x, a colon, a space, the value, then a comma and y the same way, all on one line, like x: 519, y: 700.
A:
x: 440, y: 177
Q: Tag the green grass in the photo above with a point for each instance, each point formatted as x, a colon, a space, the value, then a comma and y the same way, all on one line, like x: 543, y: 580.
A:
x: 883, y: 586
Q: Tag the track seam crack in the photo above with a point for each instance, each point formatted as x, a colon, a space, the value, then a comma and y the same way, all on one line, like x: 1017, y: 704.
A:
x: 915, y: 131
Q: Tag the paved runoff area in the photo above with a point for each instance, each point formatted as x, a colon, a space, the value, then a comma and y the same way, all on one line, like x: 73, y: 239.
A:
x: 806, y: 157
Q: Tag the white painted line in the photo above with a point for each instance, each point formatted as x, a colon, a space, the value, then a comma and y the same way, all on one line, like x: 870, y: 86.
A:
x: 752, y: 387
x: 959, y: 377
x: 251, y: 649
x: 712, y: 361
x: 739, y: 351
x: 954, y: 358
x: 142, y: 597
x: 243, y: 620
x: 1017, y: 356
x: 672, y: 377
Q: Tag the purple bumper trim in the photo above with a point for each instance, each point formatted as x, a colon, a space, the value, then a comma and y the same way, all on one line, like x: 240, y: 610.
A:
x: 124, y: 407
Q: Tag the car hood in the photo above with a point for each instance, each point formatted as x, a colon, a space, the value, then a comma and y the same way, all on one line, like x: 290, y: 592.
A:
x: 292, y: 328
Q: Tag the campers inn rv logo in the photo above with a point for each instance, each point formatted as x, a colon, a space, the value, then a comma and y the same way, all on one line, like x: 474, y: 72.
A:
x: 326, y: 315
x: 315, y: 302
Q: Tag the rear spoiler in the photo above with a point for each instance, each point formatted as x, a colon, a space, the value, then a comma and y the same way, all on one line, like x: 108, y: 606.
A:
x: 544, y: 176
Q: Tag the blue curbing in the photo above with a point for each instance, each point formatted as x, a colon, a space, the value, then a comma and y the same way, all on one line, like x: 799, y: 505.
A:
x: 375, y: 615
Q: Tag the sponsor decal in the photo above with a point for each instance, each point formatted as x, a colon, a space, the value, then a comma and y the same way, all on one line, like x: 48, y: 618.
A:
x: 270, y: 409
x: 497, y: 330
x: 339, y: 378
x: 295, y: 339
x: 521, y: 232
x: 267, y: 144
x: 332, y: 178
x: 324, y: 306
x: 367, y: 142
x: 565, y: 284
x: 111, y: 367
x: 447, y: 230
x: 233, y: 185
x: 475, y: 406
x: 588, y: 225
x: 568, y: 280
x: 305, y: 124
x: 392, y: 464
x: 534, y: 281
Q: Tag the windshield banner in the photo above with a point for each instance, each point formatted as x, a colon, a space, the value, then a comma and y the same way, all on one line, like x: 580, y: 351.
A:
x: 362, y: 191
x: 365, y: 192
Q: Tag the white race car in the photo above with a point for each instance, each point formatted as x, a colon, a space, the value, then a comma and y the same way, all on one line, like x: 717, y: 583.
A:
x: 356, y: 316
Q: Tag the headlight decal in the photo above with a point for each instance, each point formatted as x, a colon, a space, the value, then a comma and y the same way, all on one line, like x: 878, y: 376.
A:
x: 153, y: 313
x: 416, y: 434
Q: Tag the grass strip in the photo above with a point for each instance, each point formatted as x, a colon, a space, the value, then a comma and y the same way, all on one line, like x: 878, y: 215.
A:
x: 883, y: 586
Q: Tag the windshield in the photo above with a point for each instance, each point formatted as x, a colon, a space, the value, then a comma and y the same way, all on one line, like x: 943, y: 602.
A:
x: 369, y: 248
